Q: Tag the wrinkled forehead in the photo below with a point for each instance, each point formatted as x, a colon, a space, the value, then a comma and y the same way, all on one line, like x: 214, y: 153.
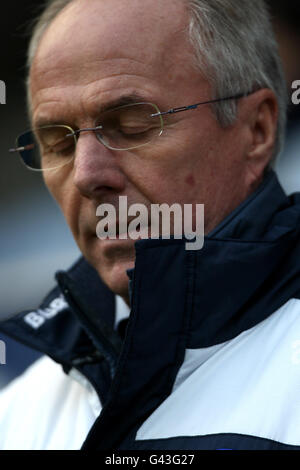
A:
x: 148, y: 31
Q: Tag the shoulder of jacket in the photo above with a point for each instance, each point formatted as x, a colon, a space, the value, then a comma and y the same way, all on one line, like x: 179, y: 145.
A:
x: 37, y: 374
x: 40, y: 410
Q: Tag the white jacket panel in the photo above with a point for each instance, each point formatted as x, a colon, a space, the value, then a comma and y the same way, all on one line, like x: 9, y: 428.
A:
x: 46, y: 409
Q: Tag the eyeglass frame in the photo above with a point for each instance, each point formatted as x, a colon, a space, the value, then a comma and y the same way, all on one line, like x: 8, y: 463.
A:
x: 158, y: 114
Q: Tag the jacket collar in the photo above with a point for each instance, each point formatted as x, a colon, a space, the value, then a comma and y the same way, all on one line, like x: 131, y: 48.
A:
x: 248, y: 268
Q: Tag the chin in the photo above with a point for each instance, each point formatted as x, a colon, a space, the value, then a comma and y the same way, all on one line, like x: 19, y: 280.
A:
x: 116, y: 278
x: 111, y: 259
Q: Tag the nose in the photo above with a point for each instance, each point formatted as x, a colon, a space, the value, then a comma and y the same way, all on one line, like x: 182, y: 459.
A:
x: 96, y: 168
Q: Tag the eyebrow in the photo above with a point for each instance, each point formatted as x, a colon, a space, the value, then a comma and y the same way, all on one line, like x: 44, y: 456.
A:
x: 120, y: 101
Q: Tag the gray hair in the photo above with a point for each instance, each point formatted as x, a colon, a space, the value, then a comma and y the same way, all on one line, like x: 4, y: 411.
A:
x: 235, y: 49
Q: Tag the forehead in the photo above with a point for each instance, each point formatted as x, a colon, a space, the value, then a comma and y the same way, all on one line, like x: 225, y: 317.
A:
x: 151, y: 32
x: 100, y: 48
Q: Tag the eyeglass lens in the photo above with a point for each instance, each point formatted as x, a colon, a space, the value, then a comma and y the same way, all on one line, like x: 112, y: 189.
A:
x: 124, y: 128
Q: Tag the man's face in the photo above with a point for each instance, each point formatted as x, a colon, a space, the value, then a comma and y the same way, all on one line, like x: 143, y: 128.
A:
x: 95, y: 53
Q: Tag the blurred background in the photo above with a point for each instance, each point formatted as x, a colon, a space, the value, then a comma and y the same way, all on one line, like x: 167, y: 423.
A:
x: 34, y: 239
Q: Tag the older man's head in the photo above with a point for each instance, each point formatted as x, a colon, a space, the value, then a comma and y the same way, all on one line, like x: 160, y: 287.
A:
x: 96, y: 54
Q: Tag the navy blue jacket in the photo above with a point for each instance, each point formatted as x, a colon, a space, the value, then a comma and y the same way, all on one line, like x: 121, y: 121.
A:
x: 209, y: 358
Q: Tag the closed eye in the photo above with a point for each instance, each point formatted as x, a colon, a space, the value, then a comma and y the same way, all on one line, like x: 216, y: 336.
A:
x: 134, y: 130
x: 63, y: 147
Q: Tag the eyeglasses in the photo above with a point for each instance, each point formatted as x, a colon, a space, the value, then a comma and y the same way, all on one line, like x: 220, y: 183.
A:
x: 126, y: 127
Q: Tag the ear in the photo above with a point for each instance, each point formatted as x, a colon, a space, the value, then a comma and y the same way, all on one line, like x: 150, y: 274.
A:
x: 261, y: 116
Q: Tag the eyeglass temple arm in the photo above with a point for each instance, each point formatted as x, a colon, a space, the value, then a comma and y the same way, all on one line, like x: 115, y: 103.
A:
x: 22, y: 149
x: 194, y: 106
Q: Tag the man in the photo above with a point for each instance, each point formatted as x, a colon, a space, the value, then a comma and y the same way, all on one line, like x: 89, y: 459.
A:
x: 209, y: 358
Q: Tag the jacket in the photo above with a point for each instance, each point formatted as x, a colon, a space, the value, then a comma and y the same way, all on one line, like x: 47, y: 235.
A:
x: 211, y: 354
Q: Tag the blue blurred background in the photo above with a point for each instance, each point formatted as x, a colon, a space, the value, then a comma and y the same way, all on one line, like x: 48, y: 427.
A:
x: 34, y: 239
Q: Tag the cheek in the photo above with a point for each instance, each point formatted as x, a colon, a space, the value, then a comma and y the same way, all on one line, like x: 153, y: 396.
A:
x: 165, y: 180
x: 56, y: 187
x: 190, y: 181
x: 66, y: 196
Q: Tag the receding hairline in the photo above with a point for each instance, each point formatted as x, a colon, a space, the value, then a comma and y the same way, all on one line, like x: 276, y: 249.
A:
x: 73, y: 4
x: 58, y: 17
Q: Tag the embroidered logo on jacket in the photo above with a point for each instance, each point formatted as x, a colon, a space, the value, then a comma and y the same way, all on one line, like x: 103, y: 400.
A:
x: 38, y: 318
